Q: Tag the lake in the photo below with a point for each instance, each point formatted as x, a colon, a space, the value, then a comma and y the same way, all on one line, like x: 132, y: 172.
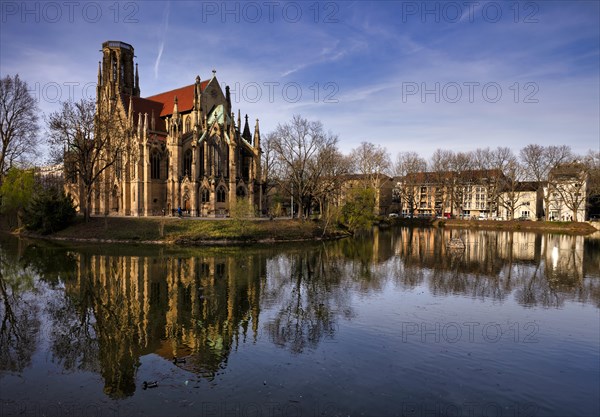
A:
x: 394, y: 322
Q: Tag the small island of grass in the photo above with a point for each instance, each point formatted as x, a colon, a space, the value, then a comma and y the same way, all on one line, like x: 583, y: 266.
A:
x: 195, y: 231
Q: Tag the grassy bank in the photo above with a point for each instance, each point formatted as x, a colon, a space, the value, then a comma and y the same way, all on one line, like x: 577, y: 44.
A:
x: 516, y: 225
x: 171, y: 230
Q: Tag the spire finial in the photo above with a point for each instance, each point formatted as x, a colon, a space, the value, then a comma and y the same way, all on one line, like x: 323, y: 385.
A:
x: 246, y: 133
x: 214, y: 71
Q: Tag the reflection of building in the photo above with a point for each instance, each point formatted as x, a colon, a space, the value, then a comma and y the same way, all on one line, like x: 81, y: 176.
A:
x: 185, y: 148
x: 191, y: 307
x: 564, y: 257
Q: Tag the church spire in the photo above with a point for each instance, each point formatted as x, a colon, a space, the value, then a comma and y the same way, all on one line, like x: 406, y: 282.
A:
x: 99, y: 73
x: 130, y: 112
x: 175, y: 107
x: 228, y: 98
x: 136, y: 89
x: 246, y: 135
x: 256, y: 136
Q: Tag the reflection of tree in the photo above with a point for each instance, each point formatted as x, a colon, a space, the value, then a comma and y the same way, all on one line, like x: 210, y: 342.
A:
x: 109, y: 307
x: 71, y: 333
x: 19, y: 314
x: 309, y: 288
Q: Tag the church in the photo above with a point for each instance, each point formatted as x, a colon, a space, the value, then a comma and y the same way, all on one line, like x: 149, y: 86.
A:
x: 186, y: 150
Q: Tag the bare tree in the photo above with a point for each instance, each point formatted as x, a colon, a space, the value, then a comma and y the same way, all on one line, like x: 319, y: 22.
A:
x: 569, y: 183
x: 539, y: 160
x: 491, y: 164
x: 409, y: 168
x: 510, y: 197
x: 461, y: 165
x: 372, y: 161
x: 330, y: 165
x: 440, y: 165
x: 270, y: 167
x: 88, y: 142
x: 18, y: 123
x: 298, y: 145
x: 592, y: 161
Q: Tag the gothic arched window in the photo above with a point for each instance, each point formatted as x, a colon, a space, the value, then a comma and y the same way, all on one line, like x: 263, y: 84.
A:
x: 240, y: 192
x: 155, y: 165
x: 220, y: 195
x: 187, y: 162
x: 205, y: 195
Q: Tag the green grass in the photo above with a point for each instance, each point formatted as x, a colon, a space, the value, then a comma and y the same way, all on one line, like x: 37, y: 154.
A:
x: 175, y: 230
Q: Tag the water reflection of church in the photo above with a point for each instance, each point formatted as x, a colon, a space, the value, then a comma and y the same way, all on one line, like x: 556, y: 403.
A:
x: 202, y: 307
x: 196, y: 308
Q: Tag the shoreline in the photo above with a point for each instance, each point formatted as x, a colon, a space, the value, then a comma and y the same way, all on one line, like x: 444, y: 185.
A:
x: 173, y: 231
x: 570, y: 228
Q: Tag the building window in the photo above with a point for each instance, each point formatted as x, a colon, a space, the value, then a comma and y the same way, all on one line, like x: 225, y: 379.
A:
x: 220, y: 195
x: 188, y: 124
x: 205, y: 195
x: 155, y: 165
x: 187, y: 162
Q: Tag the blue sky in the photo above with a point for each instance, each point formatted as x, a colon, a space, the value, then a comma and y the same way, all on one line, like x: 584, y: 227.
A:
x: 408, y: 75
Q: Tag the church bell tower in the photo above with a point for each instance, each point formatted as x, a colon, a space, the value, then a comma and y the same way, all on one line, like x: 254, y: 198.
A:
x: 116, y: 73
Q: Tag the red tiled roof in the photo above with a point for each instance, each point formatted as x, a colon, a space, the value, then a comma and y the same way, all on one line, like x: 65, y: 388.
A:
x: 185, y: 98
x: 143, y: 105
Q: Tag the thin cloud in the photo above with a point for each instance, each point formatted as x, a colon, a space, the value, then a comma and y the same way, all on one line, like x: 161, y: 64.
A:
x: 161, y: 46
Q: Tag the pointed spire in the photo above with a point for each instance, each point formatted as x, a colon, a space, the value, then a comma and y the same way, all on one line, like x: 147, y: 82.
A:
x: 246, y: 135
x: 145, y: 128
x: 139, y: 125
x: 256, y: 135
x: 228, y: 98
x: 137, y: 81
x: 239, y: 123
x: 214, y: 71
x: 99, y: 73
x: 130, y: 111
x: 175, y: 107
x: 198, y: 90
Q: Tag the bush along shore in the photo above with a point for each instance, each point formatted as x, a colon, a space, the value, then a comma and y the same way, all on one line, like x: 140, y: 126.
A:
x: 193, y: 231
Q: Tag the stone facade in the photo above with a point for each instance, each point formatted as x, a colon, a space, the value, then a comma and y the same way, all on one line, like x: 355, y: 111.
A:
x: 185, y: 147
